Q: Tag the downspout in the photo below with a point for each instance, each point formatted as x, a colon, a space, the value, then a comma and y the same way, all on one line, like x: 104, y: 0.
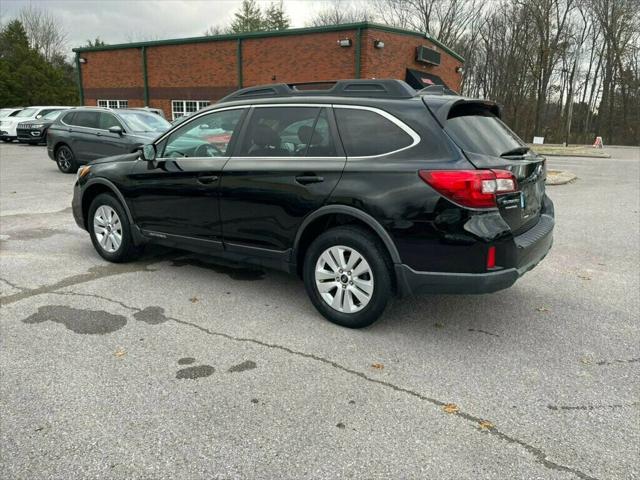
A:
x: 145, y: 78
x: 79, y: 73
x: 358, y: 50
x: 239, y: 61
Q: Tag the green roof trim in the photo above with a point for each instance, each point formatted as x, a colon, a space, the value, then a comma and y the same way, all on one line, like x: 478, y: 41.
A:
x: 272, y: 33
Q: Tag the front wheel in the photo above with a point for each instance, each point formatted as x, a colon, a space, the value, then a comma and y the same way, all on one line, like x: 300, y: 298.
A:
x: 347, y: 275
x: 65, y: 160
x: 110, y: 229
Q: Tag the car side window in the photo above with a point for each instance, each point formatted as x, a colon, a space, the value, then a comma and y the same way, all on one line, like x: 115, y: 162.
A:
x: 288, y: 132
x: 207, y: 136
x: 107, y: 120
x: 366, y: 133
x: 68, y: 118
x: 86, y: 119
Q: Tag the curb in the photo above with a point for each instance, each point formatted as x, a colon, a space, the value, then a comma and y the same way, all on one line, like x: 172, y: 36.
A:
x: 560, y: 177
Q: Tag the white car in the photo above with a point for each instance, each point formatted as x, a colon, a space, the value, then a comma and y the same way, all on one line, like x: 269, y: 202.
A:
x: 8, y: 124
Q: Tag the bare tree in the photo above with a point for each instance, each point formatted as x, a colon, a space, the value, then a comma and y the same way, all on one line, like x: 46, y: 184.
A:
x: 44, y: 30
x: 341, y: 11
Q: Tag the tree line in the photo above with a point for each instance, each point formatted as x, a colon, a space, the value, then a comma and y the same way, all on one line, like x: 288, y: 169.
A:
x: 567, y: 70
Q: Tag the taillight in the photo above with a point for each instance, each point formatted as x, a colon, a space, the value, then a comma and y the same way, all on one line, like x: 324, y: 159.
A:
x: 471, y: 188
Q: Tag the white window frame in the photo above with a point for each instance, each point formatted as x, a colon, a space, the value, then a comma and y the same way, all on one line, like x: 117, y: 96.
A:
x: 113, y: 103
x: 179, y: 107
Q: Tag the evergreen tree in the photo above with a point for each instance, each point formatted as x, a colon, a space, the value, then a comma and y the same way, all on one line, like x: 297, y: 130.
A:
x: 275, y: 18
x: 248, y: 19
x: 27, y: 78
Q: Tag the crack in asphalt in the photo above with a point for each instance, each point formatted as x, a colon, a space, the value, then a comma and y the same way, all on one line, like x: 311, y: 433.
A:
x: 615, y: 362
x: 538, y: 454
x: 592, y: 407
x: 94, y: 273
x: 13, y: 285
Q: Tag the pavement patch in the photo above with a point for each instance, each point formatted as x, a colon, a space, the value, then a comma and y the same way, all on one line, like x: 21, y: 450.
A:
x: 84, y: 322
x: 242, y: 367
x: 151, y: 315
x: 193, y: 373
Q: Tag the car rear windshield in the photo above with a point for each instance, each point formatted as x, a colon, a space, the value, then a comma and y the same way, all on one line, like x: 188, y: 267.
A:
x: 27, y: 112
x: 478, y: 130
x: 144, y: 122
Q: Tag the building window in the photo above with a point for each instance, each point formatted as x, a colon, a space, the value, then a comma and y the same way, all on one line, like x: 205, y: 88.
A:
x: 113, y: 103
x: 181, y: 108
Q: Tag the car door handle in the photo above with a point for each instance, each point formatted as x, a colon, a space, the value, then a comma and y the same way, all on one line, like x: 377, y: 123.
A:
x: 206, y: 179
x: 307, y: 179
x: 99, y: 134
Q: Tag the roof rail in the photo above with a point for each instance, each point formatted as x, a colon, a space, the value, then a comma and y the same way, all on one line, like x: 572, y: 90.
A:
x: 386, y: 88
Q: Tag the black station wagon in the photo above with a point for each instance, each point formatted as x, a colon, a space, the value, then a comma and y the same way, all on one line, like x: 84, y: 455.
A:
x: 367, y: 189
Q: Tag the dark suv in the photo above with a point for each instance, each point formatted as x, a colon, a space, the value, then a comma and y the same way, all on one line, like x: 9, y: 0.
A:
x: 366, y: 190
x: 83, y: 134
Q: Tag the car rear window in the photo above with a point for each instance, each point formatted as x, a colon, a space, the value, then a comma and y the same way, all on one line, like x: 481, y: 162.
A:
x: 366, y: 133
x: 478, y: 130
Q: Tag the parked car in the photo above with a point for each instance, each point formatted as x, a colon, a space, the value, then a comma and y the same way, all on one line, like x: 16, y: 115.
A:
x: 383, y: 191
x: 35, y: 132
x: 9, y: 125
x: 9, y: 112
x: 88, y: 133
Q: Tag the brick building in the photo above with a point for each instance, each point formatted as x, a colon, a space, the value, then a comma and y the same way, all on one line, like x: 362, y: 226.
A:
x: 183, y: 75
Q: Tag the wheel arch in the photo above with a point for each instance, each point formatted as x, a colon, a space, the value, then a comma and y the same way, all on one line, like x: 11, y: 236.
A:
x: 95, y: 187
x: 333, y: 215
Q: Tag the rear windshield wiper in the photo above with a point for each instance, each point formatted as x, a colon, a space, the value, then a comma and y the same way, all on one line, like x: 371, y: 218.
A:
x: 515, y: 151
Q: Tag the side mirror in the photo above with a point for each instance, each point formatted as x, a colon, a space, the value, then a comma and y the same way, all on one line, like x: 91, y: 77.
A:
x: 149, y: 152
x: 116, y: 129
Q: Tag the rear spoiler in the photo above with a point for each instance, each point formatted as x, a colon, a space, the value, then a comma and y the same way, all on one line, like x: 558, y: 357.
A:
x: 442, y: 110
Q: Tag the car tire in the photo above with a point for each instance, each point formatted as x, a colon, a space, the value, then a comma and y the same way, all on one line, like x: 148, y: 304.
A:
x: 362, y: 286
x: 7, y: 140
x: 110, y: 230
x: 66, y: 160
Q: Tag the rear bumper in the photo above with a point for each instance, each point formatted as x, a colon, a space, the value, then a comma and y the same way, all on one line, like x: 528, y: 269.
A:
x: 529, y: 249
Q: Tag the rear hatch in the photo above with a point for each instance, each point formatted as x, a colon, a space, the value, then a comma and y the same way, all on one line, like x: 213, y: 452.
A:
x: 475, y: 126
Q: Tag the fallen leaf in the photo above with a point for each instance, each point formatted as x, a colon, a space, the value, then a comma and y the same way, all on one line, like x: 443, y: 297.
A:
x: 377, y: 366
x: 450, y: 408
x: 341, y: 425
x: 587, y: 360
x: 543, y: 309
x: 120, y: 352
x: 194, y: 299
x: 584, y: 276
x: 438, y: 325
x: 486, y: 425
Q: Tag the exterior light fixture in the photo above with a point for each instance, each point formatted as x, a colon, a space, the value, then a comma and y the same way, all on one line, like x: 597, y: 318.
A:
x: 459, y: 69
x: 378, y: 44
x: 82, y: 60
x: 345, y: 42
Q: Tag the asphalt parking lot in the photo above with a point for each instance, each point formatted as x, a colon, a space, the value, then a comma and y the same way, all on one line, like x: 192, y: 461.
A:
x: 176, y: 366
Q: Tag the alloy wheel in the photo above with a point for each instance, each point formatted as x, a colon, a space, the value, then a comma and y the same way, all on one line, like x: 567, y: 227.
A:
x: 107, y: 228
x: 344, y: 279
x: 64, y: 158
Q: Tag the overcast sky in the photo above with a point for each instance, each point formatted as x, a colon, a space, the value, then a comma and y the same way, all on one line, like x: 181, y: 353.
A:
x: 120, y: 21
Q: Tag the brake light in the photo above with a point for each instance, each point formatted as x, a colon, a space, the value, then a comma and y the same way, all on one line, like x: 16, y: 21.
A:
x: 491, y: 258
x: 471, y: 188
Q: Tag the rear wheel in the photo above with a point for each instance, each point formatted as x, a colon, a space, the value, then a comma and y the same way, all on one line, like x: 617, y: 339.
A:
x: 65, y: 160
x: 110, y: 229
x: 347, y: 276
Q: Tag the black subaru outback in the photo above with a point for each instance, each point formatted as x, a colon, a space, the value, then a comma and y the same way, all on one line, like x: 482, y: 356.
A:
x: 367, y: 189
